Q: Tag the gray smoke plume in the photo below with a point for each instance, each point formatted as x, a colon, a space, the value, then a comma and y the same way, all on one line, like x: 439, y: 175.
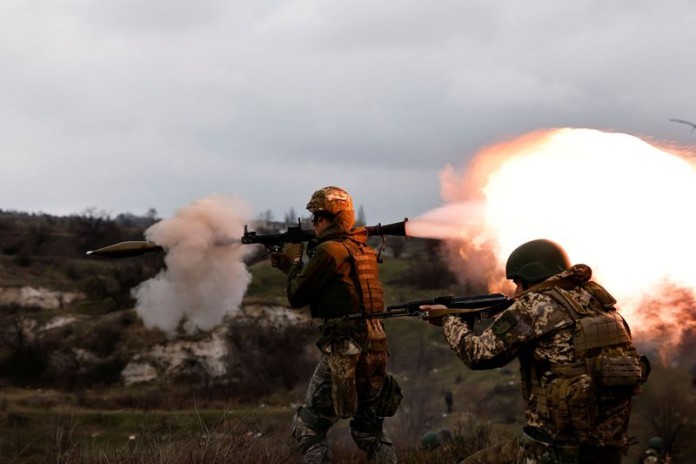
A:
x: 205, y: 277
x: 453, y: 221
x: 467, y: 250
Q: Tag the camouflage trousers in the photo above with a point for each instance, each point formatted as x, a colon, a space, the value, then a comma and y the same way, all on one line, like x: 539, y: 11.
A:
x: 314, y: 419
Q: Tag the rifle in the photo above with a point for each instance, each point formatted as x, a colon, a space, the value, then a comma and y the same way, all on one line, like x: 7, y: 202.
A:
x: 272, y: 242
x: 469, y: 307
x: 296, y: 234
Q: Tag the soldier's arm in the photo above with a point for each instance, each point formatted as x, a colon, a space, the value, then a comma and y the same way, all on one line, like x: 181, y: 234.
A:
x: 306, y: 280
x: 498, y: 344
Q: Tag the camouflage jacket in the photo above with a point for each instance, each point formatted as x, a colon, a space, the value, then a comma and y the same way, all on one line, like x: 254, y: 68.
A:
x: 540, y: 332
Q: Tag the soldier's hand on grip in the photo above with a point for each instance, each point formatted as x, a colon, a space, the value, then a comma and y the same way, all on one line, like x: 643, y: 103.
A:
x: 433, y: 313
x: 293, y: 252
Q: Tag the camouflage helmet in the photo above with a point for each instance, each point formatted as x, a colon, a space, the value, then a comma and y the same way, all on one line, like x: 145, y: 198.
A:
x: 655, y: 443
x: 331, y: 200
x: 536, y: 261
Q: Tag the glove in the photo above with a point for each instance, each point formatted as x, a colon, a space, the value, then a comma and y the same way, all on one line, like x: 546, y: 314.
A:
x: 432, y: 313
x: 293, y: 251
x: 291, y: 254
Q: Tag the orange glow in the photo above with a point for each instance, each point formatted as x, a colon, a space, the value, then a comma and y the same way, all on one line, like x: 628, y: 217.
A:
x: 613, y: 201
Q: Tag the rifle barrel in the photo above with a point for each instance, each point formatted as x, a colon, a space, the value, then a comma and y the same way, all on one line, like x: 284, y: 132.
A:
x: 461, y: 302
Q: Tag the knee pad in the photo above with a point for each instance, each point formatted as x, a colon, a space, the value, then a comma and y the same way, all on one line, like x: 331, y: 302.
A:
x: 309, y: 430
x: 370, y: 441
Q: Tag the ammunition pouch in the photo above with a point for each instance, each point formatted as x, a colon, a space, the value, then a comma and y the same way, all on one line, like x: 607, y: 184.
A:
x: 342, y: 357
x: 571, y: 403
x: 389, y: 397
x: 618, y: 371
x: 542, y: 451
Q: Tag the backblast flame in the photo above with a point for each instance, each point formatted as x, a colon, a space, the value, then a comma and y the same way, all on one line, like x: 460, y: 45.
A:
x: 612, y: 200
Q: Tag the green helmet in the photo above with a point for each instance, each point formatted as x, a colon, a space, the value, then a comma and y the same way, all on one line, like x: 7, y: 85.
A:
x: 331, y: 200
x: 536, y: 261
x: 431, y: 440
x: 655, y: 443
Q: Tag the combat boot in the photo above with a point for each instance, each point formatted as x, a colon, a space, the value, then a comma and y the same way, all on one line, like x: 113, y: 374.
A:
x: 317, y: 454
x: 385, y: 454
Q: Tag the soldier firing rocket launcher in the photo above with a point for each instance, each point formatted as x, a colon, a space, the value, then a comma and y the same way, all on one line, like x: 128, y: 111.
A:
x: 272, y: 242
x: 296, y: 234
x: 469, y: 307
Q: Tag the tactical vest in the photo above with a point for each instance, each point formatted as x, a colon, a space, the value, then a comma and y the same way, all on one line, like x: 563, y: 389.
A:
x: 366, y: 276
x: 607, y: 364
x: 345, y: 343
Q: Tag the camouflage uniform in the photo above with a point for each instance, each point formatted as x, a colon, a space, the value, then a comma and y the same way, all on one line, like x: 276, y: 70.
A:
x: 350, y: 381
x: 567, y: 408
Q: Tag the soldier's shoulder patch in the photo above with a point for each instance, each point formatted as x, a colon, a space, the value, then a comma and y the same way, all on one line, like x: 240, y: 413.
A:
x: 503, y: 324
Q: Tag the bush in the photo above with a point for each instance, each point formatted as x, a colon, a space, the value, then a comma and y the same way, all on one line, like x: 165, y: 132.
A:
x: 26, y: 365
x: 267, y: 358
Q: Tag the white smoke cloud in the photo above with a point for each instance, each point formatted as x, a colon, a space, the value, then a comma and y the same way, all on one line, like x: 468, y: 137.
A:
x: 205, y: 277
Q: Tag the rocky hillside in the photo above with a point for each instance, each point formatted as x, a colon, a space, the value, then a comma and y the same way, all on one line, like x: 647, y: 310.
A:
x: 67, y: 325
x: 67, y: 320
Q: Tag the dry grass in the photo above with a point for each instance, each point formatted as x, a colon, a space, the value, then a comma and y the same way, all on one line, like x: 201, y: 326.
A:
x: 48, y: 432
x: 166, y: 439
x: 196, y: 438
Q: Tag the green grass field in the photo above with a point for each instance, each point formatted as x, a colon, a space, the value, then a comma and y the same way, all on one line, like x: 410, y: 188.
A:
x: 178, y: 424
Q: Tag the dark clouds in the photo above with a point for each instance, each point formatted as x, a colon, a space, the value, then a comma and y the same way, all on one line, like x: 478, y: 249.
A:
x: 129, y: 105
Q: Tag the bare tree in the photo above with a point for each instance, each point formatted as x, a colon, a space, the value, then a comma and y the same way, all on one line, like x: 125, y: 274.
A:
x: 688, y: 123
x: 665, y: 409
x: 360, y: 220
x: 94, y: 228
x: 291, y: 216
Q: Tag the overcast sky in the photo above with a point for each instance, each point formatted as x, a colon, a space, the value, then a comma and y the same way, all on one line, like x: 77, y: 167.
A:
x: 124, y: 105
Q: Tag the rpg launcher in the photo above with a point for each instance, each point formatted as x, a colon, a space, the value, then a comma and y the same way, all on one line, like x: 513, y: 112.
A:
x: 296, y: 234
x: 468, y: 307
x: 272, y: 242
